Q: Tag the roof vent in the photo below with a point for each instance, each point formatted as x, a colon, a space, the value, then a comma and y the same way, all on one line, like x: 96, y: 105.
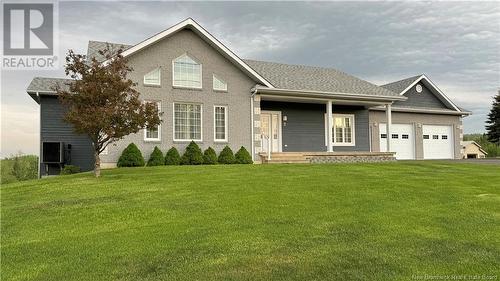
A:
x: 418, y: 88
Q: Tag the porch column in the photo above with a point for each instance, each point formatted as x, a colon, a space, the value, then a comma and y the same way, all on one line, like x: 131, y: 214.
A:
x: 329, y: 147
x: 388, y: 125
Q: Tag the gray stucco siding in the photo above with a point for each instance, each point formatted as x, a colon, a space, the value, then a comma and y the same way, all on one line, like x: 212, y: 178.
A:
x: 237, y: 98
x: 424, y: 99
x: 304, y: 129
x: 54, y: 128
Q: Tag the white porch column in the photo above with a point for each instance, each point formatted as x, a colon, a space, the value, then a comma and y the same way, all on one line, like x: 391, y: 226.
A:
x: 329, y: 146
x: 388, y: 114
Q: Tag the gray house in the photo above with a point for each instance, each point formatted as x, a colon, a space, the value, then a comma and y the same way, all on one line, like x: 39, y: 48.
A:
x: 210, y: 95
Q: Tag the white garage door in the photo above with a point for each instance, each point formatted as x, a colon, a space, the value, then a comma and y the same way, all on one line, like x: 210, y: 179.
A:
x: 438, y: 142
x: 402, y: 140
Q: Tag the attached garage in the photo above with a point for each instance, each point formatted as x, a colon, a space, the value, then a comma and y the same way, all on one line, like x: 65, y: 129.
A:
x: 438, y: 142
x: 402, y: 140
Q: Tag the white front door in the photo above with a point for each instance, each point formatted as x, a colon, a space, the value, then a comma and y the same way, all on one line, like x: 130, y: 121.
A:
x: 402, y: 140
x: 270, y: 126
x: 438, y: 142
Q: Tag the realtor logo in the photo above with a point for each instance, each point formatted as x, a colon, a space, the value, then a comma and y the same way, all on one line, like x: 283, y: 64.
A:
x: 29, y: 37
x: 28, y: 29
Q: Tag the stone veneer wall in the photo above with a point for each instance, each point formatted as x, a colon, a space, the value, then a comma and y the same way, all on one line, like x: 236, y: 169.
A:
x: 257, y: 141
x: 323, y: 159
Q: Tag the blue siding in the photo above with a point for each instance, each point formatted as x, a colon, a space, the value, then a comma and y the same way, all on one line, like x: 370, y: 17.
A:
x: 305, y: 126
x: 424, y: 99
x: 54, y: 128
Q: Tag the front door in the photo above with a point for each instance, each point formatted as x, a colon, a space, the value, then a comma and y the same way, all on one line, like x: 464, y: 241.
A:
x: 270, y: 122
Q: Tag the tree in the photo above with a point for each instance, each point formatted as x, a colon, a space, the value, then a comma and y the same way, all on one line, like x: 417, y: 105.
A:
x: 493, y: 128
x: 101, y: 101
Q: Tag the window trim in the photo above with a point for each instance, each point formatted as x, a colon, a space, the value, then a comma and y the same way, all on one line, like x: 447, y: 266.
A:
x: 173, y: 73
x: 225, y: 124
x: 146, y: 139
x: 173, y: 123
x: 353, y: 126
x: 213, y: 84
x: 152, y: 84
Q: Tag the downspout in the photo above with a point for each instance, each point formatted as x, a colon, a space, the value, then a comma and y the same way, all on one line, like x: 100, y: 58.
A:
x: 251, y: 127
x: 39, y: 134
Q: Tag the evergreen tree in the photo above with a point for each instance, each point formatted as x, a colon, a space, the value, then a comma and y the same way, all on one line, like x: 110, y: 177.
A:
x: 493, y: 127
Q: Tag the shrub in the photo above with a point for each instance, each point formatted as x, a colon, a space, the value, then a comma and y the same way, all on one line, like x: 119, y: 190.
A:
x: 131, y: 157
x: 192, y: 155
x: 243, y: 157
x: 226, y: 156
x: 209, y: 156
x: 156, y: 158
x: 172, y: 157
x: 70, y: 169
x: 18, y: 168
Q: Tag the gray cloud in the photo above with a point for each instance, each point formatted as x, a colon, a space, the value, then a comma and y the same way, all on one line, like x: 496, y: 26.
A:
x: 456, y: 44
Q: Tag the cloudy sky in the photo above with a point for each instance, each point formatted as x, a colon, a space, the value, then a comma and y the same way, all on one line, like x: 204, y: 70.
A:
x: 457, y: 45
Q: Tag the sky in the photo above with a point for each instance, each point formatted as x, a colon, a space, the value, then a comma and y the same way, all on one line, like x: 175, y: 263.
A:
x: 456, y: 44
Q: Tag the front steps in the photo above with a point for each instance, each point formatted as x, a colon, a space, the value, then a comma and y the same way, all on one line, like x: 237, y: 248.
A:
x: 326, y: 157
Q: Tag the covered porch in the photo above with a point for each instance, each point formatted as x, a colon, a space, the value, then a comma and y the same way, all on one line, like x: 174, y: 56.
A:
x: 312, y: 127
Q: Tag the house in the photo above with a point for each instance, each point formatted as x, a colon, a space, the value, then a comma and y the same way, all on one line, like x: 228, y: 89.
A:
x: 210, y: 95
x: 472, y: 149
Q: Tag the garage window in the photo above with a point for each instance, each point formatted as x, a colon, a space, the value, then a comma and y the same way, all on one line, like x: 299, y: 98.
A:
x: 444, y: 137
x: 383, y: 136
x: 435, y: 137
x: 394, y: 136
x: 426, y: 137
x: 404, y: 136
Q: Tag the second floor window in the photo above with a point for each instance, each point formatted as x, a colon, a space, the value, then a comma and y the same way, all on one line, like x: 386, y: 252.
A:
x: 187, y: 72
x: 218, y: 84
x: 152, y: 78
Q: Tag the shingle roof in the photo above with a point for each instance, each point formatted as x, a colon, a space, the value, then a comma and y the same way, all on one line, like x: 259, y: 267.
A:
x: 44, y: 84
x: 95, y: 46
x: 400, y: 85
x: 301, y: 77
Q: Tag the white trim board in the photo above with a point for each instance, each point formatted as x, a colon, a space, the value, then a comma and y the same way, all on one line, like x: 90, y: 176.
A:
x: 194, y: 26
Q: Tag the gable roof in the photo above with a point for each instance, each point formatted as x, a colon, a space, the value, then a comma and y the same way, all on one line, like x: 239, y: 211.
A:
x: 399, y: 87
x: 47, y: 85
x: 95, y: 46
x: 205, y: 35
x: 466, y: 143
x: 320, y: 79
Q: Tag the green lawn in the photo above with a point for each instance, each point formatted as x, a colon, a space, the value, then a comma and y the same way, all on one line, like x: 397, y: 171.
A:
x: 393, y: 221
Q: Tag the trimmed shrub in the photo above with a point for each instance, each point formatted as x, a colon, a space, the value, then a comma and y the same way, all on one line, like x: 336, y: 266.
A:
x: 209, y: 156
x: 70, y: 169
x: 226, y: 156
x: 243, y: 157
x: 172, y: 157
x: 193, y: 155
x: 131, y: 157
x: 156, y: 158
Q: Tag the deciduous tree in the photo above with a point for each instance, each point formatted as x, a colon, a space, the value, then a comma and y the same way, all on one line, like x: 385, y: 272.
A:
x: 102, y: 101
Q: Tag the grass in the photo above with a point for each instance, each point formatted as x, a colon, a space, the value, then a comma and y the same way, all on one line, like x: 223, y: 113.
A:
x: 393, y: 221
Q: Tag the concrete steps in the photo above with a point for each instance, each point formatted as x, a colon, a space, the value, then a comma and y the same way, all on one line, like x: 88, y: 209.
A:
x: 284, y: 157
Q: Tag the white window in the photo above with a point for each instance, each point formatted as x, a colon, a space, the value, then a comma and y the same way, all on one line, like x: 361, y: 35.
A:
x: 153, y: 133
x: 220, y: 123
x: 343, y: 130
x: 153, y: 77
x: 186, y: 72
x: 187, y: 122
x: 219, y: 85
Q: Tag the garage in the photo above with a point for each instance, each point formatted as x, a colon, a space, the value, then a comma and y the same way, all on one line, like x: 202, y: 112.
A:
x: 402, y: 140
x: 438, y: 142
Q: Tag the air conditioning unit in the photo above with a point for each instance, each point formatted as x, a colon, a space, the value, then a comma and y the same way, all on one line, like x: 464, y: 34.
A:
x: 52, y: 152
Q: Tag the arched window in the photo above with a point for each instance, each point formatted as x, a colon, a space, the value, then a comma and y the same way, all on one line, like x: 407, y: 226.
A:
x: 187, y: 72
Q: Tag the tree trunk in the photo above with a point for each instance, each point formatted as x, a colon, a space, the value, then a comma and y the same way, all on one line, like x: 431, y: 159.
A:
x: 97, y: 167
